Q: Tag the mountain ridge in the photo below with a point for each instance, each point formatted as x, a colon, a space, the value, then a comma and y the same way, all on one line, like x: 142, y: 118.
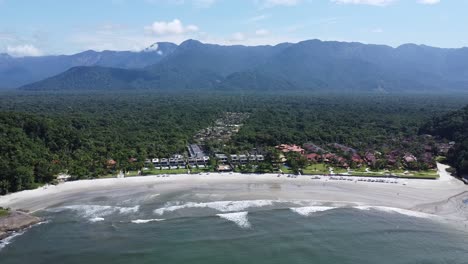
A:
x: 306, y: 65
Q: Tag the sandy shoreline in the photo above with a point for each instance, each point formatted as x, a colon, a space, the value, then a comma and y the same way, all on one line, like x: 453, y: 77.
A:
x: 443, y: 197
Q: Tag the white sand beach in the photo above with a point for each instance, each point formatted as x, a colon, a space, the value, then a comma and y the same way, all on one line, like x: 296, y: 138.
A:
x: 443, y: 197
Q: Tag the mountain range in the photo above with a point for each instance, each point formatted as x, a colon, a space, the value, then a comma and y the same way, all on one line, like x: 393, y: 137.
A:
x: 308, y: 65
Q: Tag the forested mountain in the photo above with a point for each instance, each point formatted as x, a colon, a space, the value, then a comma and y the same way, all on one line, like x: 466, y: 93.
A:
x: 309, y: 65
x: 453, y: 126
x: 15, y: 72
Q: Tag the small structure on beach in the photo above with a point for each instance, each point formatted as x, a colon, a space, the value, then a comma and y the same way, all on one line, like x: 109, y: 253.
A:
x: 62, y: 177
x: 223, y: 168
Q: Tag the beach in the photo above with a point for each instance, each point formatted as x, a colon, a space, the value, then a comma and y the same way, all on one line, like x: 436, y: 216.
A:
x: 222, y: 216
x: 443, y: 197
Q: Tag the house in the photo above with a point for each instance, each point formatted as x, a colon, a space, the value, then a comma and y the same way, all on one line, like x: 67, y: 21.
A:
x: 192, y: 162
x: 285, y: 148
x: 329, y: 157
x: 313, y: 157
x: 370, y: 158
x: 243, y: 159
x: 409, y: 158
x: 357, y: 159
x: 221, y: 158
x: 111, y: 163
x: 164, y: 162
x: 156, y: 162
x: 234, y: 158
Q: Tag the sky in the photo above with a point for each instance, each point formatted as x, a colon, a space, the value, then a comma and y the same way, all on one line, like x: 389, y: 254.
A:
x: 46, y: 27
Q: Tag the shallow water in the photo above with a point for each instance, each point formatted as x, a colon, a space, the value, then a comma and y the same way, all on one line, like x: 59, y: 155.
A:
x: 187, y: 229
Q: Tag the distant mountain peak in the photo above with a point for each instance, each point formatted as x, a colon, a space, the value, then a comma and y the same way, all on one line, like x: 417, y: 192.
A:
x: 4, y: 55
x: 162, y: 48
x: 190, y: 43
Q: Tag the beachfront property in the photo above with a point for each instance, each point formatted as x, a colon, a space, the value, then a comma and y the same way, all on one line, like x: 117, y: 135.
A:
x: 221, y: 158
x: 223, y: 168
x: 195, y: 151
x: 285, y: 148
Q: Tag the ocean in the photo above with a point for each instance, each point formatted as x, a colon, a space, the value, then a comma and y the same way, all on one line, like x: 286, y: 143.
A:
x: 197, y: 229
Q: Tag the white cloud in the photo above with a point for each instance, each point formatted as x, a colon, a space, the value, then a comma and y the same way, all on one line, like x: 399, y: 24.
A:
x: 365, y: 2
x: 174, y: 27
x: 23, y: 51
x: 429, y: 2
x: 262, y: 32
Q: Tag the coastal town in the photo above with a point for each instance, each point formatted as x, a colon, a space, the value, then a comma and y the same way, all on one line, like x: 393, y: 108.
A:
x: 208, y: 153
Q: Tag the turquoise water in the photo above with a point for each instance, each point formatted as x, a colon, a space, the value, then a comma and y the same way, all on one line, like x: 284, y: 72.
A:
x: 262, y: 232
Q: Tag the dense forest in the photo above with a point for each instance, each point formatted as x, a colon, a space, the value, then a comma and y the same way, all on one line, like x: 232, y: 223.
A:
x: 43, y: 134
x: 453, y: 126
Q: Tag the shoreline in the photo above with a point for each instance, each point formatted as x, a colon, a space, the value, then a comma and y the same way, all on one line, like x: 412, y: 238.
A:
x: 16, y: 221
x: 444, y: 196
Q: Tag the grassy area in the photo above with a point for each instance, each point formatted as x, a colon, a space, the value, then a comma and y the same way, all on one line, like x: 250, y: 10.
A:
x: 322, y: 168
x: 4, y: 212
x: 204, y: 170
x: 159, y: 172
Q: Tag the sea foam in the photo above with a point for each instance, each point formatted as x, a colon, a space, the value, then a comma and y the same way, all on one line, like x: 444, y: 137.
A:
x: 6, y: 241
x: 396, y: 210
x: 96, y: 219
x: 222, y: 206
x: 93, y: 212
x: 240, y: 218
x: 306, y: 211
x: 145, y: 221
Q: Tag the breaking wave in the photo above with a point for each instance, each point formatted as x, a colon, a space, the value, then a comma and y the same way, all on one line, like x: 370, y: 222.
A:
x: 222, y: 206
x: 239, y: 218
x: 96, y: 212
x: 145, y: 221
x: 6, y: 241
x: 396, y: 210
x: 306, y: 211
x: 96, y: 219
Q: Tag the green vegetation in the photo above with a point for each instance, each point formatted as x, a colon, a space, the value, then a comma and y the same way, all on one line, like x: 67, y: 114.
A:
x: 453, y: 126
x: 78, y: 133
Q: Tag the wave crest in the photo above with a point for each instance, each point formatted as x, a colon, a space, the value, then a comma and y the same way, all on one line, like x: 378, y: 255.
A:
x: 96, y: 211
x: 306, y: 211
x: 222, y: 206
x: 145, y: 221
x: 395, y: 210
x: 240, y: 218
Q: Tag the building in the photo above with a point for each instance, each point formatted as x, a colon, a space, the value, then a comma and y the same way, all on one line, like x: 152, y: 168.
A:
x: 221, y: 158
x: 234, y: 158
x: 195, y: 151
x: 243, y: 159
x: 223, y: 168
x: 260, y: 158
x: 285, y: 148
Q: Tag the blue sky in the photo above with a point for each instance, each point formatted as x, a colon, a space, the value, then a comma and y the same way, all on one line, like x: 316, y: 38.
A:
x: 38, y: 27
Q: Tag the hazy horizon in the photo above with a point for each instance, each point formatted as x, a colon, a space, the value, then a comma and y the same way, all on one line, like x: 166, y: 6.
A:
x: 61, y: 27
